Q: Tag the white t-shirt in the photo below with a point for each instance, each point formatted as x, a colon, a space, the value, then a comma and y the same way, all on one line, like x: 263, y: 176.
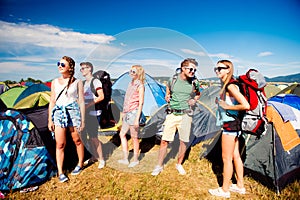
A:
x: 66, y: 98
x: 90, y: 96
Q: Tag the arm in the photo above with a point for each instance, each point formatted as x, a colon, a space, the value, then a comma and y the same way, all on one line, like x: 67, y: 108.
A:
x: 141, y: 103
x: 234, y: 92
x: 168, y: 94
x: 51, y: 105
x: 81, y: 104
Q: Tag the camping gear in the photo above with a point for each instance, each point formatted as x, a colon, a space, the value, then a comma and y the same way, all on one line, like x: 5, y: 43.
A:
x: 292, y: 89
x: 3, y: 87
x: 289, y: 99
x: 252, y: 85
x: 9, y: 97
x: 107, y: 120
x: 25, y: 160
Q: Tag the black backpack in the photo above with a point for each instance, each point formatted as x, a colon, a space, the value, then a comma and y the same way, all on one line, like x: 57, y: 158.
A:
x: 107, y: 119
x: 104, y: 77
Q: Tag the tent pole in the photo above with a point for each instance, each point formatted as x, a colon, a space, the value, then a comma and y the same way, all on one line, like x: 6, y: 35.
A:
x: 274, y: 159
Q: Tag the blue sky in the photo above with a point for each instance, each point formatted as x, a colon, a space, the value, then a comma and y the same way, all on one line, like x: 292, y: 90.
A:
x: 114, y: 35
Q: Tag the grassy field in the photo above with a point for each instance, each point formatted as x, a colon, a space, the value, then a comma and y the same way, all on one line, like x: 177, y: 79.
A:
x: 119, y: 182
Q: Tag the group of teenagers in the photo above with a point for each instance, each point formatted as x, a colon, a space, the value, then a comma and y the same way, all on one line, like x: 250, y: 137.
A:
x: 71, y: 110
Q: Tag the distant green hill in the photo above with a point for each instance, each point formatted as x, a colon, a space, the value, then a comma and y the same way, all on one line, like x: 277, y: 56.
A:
x: 287, y: 79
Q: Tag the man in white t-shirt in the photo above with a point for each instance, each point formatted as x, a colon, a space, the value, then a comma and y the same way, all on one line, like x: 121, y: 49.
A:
x: 92, y: 123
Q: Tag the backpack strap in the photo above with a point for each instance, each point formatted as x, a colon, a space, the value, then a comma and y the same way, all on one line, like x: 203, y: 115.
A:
x: 93, y: 87
x: 195, y: 88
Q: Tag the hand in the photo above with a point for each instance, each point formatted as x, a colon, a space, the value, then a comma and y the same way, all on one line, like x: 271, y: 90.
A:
x: 167, y: 98
x: 192, y: 102
x: 222, y: 104
x: 51, y: 126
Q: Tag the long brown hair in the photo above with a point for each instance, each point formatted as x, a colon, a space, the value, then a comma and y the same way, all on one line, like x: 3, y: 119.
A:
x: 228, y: 64
x: 71, y: 70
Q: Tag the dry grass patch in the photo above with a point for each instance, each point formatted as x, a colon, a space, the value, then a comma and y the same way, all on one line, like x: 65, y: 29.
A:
x: 119, y: 182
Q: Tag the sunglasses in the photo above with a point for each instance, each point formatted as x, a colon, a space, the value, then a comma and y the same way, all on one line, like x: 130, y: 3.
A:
x: 83, y: 68
x: 191, y: 69
x: 132, y: 71
x: 61, y: 64
x: 220, y: 68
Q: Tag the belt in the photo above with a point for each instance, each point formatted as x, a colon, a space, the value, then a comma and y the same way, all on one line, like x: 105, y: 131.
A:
x: 180, y: 111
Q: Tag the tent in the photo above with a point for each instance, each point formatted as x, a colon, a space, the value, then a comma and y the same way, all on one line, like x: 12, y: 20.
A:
x: 289, y: 99
x: 154, y: 99
x: 154, y: 93
x: 36, y: 99
x: 9, y: 97
x: 3, y: 87
x: 34, y: 88
x: 271, y: 90
x: 25, y: 160
x: 292, y: 89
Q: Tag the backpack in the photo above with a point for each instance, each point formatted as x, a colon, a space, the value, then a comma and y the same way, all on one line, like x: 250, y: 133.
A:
x: 104, y: 105
x: 251, y: 85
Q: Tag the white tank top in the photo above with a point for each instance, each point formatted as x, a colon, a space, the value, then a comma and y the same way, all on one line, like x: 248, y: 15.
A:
x: 70, y: 97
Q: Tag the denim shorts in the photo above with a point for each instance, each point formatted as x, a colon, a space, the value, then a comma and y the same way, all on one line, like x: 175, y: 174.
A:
x: 233, y: 133
x: 130, y: 117
x: 73, y: 117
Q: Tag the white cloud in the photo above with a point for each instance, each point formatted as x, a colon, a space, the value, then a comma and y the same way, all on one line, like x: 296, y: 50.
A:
x: 265, y: 53
x: 195, y: 53
x: 45, y: 35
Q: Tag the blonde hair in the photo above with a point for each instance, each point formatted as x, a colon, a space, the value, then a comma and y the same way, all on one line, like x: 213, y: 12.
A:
x: 140, y: 72
x: 228, y: 64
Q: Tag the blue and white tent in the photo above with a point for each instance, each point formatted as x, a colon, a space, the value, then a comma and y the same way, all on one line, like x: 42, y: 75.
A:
x: 24, y: 159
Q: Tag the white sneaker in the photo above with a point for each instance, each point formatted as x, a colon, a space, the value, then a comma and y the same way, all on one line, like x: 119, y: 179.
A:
x: 235, y: 188
x: 101, y: 164
x: 157, y: 170
x: 180, y: 169
x: 219, y: 192
x: 133, y: 164
x: 123, y: 161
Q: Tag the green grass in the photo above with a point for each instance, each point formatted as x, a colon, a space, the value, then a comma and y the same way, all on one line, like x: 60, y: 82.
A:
x: 119, y: 182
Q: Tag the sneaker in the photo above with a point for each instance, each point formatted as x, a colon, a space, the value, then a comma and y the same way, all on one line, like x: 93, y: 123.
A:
x: 90, y: 161
x: 123, y: 161
x: 62, y: 178
x: 219, y: 192
x: 157, y: 170
x: 235, y: 188
x: 180, y: 169
x: 133, y: 164
x: 101, y: 164
x: 30, y: 189
x: 77, y: 170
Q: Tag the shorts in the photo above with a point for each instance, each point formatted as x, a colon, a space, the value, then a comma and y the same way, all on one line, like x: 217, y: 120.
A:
x: 91, y: 126
x: 233, y: 133
x: 130, y: 117
x: 73, y: 117
x: 182, y: 123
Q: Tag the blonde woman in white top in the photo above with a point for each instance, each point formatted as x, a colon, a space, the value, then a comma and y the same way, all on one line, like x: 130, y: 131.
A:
x: 66, y: 112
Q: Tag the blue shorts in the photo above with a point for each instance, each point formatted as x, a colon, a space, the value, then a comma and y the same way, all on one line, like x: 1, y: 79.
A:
x: 233, y: 133
x: 70, y: 118
x: 130, y: 117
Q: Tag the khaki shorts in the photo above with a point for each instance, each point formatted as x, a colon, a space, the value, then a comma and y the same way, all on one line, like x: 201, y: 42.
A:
x: 180, y: 122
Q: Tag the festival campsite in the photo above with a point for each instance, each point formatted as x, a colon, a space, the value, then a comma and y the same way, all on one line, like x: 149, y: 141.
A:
x: 271, y: 162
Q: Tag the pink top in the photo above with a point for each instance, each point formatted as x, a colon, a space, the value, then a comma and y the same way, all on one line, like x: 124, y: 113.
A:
x: 131, y: 101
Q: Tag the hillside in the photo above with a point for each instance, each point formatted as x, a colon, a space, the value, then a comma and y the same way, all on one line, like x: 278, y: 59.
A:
x: 287, y: 79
